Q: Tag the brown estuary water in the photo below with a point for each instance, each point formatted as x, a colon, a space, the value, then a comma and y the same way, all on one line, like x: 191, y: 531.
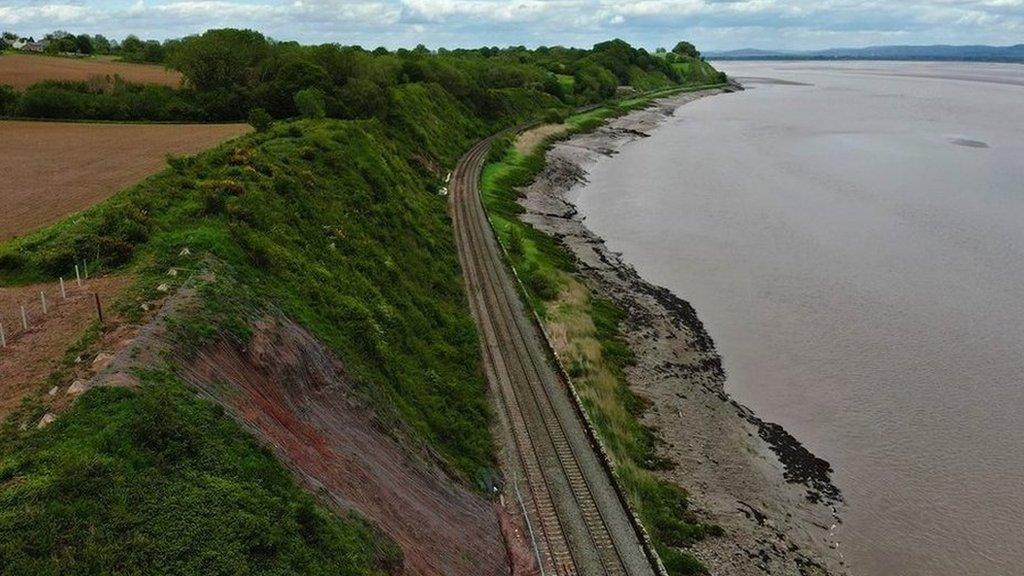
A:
x: 852, y: 236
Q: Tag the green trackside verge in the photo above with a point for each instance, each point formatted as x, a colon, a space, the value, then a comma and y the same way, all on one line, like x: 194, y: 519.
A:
x: 546, y: 269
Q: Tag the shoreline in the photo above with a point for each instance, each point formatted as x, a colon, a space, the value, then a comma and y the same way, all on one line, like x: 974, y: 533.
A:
x: 774, y: 498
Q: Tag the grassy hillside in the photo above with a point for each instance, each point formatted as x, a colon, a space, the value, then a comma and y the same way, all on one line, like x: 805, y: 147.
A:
x: 337, y: 224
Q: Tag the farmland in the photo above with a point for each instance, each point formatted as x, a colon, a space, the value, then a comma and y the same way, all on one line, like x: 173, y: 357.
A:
x: 24, y: 70
x: 52, y: 169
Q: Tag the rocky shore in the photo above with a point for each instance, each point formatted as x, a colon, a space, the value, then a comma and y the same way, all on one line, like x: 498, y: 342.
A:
x: 774, y: 498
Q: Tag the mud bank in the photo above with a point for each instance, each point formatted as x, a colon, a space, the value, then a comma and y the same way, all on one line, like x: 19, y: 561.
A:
x: 774, y: 498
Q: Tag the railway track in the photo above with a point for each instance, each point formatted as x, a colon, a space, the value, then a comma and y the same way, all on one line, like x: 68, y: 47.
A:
x: 578, y: 522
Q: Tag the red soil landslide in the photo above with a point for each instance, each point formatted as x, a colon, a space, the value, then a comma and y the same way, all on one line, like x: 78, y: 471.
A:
x: 295, y: 394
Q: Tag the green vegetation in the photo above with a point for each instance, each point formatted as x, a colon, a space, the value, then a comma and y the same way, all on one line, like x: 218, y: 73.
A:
x: 229, y: 72
x: 339, y: 225
x: 335, y: 221
x: 597, y: 355
x: 159, y: 482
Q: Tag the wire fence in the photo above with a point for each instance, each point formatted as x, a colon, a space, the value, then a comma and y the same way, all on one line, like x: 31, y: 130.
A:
x: 28, y: 312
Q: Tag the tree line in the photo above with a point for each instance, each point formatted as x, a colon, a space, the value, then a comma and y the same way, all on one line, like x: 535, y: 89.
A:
x: 229, y: 73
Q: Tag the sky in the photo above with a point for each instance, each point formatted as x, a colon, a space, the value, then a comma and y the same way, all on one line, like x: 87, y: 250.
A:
x: 710, y: 24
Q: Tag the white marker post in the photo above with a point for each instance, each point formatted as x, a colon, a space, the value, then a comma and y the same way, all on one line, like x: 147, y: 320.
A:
x: 78, y: 276
x: 63, y: 294
x: 85, y: 270
x: 3, y: 337
x: 42, y: 298
x: 24, y: 318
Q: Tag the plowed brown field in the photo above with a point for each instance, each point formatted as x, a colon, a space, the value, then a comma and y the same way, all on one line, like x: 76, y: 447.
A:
x: 51, y: 169
x: 24, y: 70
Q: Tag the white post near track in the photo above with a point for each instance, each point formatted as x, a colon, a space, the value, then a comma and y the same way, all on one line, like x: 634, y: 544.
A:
x: 63, y: 294
x: 24, y: 318
x: 78, y: 276
x: 3, y: 337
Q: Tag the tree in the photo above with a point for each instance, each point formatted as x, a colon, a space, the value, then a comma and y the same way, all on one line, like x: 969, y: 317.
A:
x: 83, y: 44
x: 224, y: 59
x: 100, y: 44
x: 361, y: 98
x: 686, y: 49
x: 131, y: 44
x: 310, y: 103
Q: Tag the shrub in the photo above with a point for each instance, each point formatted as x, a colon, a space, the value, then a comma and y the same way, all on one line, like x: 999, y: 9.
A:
x: 311, y: 103
x: 260, y: 120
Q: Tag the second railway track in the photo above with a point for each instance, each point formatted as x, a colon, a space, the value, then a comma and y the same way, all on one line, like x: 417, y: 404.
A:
x: 578, y: 521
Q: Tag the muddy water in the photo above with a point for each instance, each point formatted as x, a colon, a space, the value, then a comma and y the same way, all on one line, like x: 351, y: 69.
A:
x: 852, y: 235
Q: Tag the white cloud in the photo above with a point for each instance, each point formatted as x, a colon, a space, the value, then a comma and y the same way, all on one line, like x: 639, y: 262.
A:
x: 710, y: 23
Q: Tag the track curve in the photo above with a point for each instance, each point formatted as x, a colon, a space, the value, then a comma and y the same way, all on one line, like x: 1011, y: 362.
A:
x: 578, y: 520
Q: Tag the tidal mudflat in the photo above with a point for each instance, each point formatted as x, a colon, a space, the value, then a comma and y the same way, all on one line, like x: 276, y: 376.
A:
x: 850, y: 235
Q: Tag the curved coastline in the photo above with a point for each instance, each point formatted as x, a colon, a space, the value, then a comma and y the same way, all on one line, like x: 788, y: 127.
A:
x: 775, y: 498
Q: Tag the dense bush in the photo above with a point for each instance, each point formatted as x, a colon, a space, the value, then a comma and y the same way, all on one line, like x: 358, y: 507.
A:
x: 160, y: 482
x: 105, y: 98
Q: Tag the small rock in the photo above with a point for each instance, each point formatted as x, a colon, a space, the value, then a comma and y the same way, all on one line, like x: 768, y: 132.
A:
x: 145, y: 306
x: 53, y: 391
x: 77, y: 387
x: 120, y: 379
x: 172, y: 272
x: 163, y: 288
x: 101, y: 361
x: 46, y: 420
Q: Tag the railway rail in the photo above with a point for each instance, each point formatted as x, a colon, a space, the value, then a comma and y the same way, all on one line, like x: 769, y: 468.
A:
x: 580, y: 525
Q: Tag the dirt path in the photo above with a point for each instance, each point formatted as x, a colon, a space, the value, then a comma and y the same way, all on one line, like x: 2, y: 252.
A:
x: 52, y: 169
x: 579, y: 524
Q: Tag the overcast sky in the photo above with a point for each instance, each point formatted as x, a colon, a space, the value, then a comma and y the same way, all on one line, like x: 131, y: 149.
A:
x: 711, y: 24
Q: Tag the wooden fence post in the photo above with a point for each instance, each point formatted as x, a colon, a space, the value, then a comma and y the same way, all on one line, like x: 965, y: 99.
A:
x: 99, y: 309
x: 42, y: 298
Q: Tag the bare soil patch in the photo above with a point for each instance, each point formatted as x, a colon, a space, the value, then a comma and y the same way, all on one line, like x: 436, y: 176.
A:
x: 24, y: 70
x: 32, y: 355
x: 52, y: 169
x: 529, y: 139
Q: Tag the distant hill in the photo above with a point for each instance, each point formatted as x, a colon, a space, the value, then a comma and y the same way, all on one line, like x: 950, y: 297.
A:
x: 936, y: 52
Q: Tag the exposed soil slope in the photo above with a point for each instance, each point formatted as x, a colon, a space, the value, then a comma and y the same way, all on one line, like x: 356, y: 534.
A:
x: 24, y: 70
x: 294, y: 394
x: 52, y: 169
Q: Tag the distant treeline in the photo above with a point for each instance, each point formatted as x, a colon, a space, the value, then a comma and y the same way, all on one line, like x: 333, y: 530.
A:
x: 230, y: 73
x: 131, y: 49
